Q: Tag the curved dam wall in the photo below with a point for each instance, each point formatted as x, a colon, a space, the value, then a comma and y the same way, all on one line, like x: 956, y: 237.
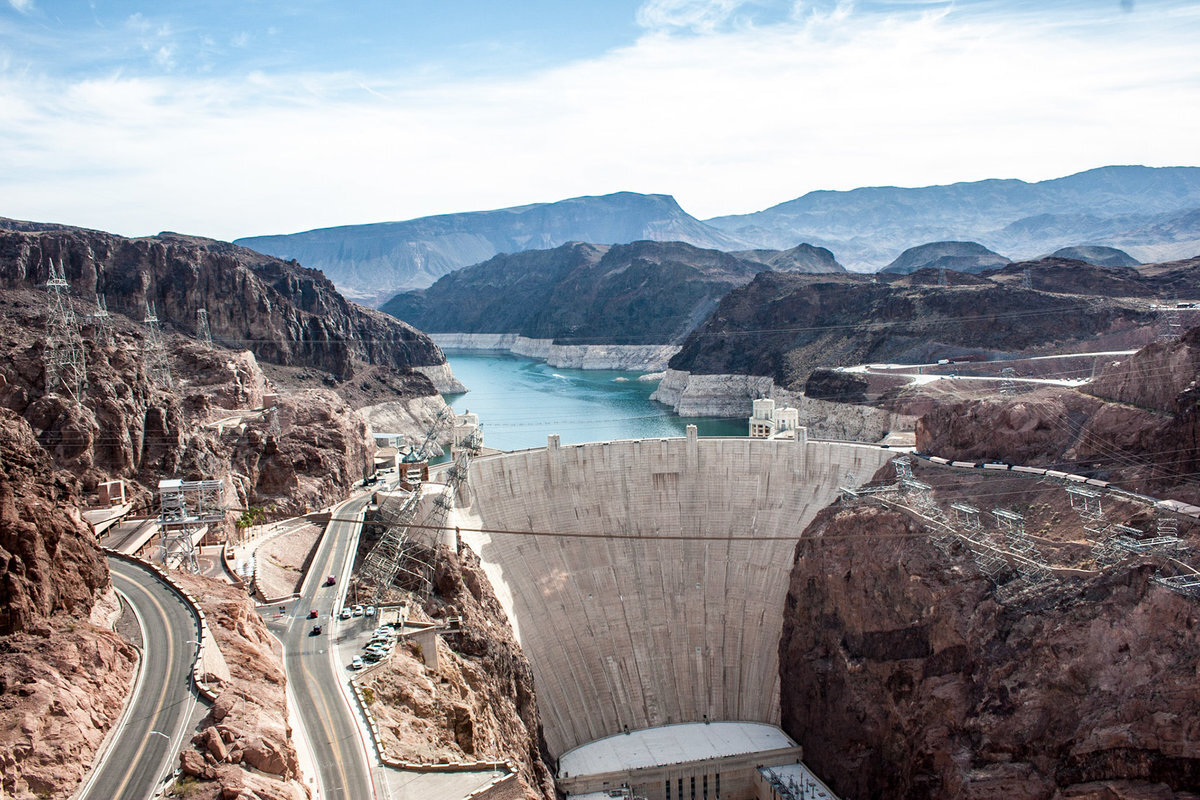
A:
x: 636, y: 632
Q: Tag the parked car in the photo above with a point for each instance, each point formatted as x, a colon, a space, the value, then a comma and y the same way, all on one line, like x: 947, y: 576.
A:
x: 358, y: 611
x: 371, y: 655
x: 316, y: 630
x: 313, y: 614
x: 370, y: 611
x: 356, y: 663
x: 345, y: 613
x: 331, y: 580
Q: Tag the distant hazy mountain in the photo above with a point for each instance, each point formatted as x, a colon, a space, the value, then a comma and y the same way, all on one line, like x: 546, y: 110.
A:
x: 373, y: 262
x: 958, y: 256
x: 1153, y: 213
x: 640, y: 293
x: 1094, y: 254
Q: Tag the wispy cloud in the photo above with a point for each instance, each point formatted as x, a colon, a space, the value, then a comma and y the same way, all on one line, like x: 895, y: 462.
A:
x: 736, y: 119
x: 24, y: 6
x: 703, y: 16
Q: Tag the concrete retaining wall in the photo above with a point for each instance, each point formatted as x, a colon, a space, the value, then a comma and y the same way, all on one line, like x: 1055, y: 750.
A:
x: 632, y: 633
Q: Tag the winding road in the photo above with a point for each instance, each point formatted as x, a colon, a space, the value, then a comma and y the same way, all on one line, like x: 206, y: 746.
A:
x: 333, y: 736
x: 158, y: 717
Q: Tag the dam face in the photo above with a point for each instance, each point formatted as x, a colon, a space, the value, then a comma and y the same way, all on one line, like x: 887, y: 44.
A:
x: 677, y: 623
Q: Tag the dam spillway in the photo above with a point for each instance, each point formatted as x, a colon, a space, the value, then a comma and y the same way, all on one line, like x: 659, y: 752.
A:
x: 679, y: 619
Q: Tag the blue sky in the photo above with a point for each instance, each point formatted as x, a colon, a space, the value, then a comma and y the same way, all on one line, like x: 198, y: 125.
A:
x: 236, y: 118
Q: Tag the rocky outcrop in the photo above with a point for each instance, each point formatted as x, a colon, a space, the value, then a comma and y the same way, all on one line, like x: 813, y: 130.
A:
x: 1096, y: 254
x: 905, y: 674
x: 629, y: 357
x: 783, y: 326
x: 801, y: 258
x: 640, y: 293
x: 280, y: 311
x: 958, y: 256
x: 63, y: 675
x: 244, y: 746
x: 373, y: 262
x: 210, y: 425
x: 49, y: 563
x: 479, y: 705
x: 1138, y: 423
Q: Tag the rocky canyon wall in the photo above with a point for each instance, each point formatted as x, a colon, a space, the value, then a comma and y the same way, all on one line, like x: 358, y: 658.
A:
x: 63, y: 673
x: 905, y: 675
x: 280, y: 311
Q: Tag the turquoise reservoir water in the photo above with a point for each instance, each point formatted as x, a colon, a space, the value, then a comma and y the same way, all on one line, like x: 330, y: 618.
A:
x: 520, y: 401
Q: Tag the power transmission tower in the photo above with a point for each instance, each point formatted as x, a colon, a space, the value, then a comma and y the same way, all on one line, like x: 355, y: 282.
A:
x: 154, y: 351
x: 102, y: 322
x: 1026, y: 279
x: 63, y: 356
x: 942, y: 276
x: 202, y: 330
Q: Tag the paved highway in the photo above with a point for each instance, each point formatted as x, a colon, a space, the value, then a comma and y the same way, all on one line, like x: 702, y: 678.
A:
x: 151, y: 734
x: 333, y: 736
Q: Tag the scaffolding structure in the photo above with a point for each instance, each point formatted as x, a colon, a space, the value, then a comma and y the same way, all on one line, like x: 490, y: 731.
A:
x: 102, y: 323
x: 186, y: 509
x: 63, y: 356
x: 404, y: 553
x: 154, y: 351
x: 203, y: 332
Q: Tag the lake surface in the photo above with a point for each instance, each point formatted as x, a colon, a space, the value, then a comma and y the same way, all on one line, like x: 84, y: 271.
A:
x: 520, y: 401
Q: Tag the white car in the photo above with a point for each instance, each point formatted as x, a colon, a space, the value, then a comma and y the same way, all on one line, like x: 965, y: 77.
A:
x: 358, y: 611
x: 370, y: 611
x: 345, y: 613
x: 356, y: 663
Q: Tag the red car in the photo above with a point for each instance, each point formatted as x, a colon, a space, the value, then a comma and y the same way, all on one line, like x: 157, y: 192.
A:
x: 330, y: 581
x: 312, y: 614
x: 316, y: 631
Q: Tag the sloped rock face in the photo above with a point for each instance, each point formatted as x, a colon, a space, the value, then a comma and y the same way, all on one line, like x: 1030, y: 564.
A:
x: 904, y: 676
x: 244, y: 744
x: 480, y: 704
x: 280, y: 311
x: 63, y: 679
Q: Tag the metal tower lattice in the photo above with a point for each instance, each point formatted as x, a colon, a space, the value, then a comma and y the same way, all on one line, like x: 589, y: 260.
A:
x: 1026, y: 279
x: 102, y: 323
x: 63, y: 355
x: 154, y: 352
x: 1008, y: 386
x: 203, y: 333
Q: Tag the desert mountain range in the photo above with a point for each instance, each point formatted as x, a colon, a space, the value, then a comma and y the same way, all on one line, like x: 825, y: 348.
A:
x: 1153, y: 214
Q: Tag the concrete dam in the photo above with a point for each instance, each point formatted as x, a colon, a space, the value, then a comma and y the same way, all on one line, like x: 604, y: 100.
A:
x: 651, y: 604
